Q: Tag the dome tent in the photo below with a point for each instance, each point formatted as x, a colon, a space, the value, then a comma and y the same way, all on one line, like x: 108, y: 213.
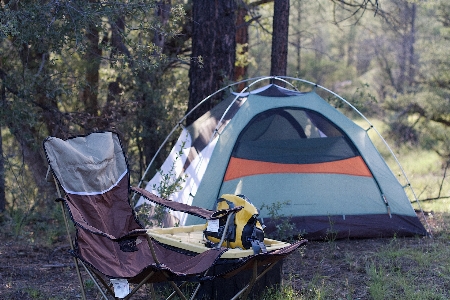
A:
x: 276, y: 144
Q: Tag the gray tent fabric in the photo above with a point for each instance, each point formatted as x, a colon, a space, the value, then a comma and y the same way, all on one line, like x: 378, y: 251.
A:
x: 350, y: 202
x: 286, y: 146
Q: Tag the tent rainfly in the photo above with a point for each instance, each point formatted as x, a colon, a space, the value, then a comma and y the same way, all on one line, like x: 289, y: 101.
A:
x: 278, y: 145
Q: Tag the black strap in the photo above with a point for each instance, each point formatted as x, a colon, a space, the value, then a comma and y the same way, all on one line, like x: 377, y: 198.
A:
x: 257, y: 245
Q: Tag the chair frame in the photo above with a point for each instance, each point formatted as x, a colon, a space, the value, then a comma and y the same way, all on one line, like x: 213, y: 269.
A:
x: 252, y: 262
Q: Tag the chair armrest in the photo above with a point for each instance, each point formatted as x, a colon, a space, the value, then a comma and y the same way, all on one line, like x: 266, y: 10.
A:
x: 190, y: 209
x: 177, y: 206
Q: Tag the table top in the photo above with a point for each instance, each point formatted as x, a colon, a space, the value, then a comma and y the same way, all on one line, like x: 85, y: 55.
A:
x: 191, y: 238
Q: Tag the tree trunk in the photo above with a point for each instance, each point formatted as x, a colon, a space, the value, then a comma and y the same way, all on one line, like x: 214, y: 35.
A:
x: 89, y: 91
x: 412, y: 42
x: 280, y: 38
x: 240, y: 69
x: 351, y: 46
x: 26, y: 134
x: 151, y: 84
x: 162, y: 14
x: 2, y: 161
x: 213, y: 51
x: 299, y: 38
x: 2, y: 176
x: 112, y: 113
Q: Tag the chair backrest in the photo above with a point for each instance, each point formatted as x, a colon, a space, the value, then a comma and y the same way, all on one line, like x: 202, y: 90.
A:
x: 93, y: 172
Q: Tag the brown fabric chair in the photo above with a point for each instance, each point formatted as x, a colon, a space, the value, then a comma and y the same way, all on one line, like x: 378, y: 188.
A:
x: 110, y: 243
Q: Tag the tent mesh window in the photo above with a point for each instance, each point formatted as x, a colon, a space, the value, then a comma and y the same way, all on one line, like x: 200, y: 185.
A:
x: 292, y: 136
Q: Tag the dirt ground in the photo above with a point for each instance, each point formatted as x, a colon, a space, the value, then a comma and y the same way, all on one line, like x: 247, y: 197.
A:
x: 30, y: 271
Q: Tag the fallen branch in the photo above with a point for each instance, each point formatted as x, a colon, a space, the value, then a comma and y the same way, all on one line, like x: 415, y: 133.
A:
x: 434, y: 198
x: 58, y: 266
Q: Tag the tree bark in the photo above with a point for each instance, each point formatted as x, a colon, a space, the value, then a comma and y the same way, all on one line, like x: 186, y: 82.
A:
x: 213, y: 51
x: 280, y: 38
x: 2, y: 161
x: 162, y: 14
x: 412, y: 42
x: 112, y: 113
x: 89, y: 91
x: 299, y: 37
x: 240, y: 69
x: 26, y: 134
x: 151, y: 83
x: 2, y: 176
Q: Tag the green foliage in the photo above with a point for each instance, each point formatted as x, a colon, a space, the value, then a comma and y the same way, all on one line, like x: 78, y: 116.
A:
x: 331, y: 233
x: 45, y: 66
x: 395, y: 271
x: 316, y: 289
x: 33, y: 293
x: 170, y: 183
x: 44, y: 49
x: 284, y: 228
x: 69, y: 68
x: 283, y: 292
x: 396, y: 268
x: 89, y: 284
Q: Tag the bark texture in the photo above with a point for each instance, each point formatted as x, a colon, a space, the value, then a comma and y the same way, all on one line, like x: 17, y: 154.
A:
x: 213, y: 51
x: 280, y: 38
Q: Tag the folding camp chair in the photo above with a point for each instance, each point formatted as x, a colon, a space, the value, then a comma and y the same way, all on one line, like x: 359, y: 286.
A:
x: 110, y: 242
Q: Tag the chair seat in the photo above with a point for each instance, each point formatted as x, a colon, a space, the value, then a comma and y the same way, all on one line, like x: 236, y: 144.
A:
x: 109, y: 258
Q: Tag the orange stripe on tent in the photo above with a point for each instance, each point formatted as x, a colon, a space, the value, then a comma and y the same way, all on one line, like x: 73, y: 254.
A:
x: 239, y: 167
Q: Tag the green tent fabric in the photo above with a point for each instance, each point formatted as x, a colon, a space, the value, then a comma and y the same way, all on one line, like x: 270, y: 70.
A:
x: 280, y: 145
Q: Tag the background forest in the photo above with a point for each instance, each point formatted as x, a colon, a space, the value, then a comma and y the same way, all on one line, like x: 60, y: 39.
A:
x: 72, y: 67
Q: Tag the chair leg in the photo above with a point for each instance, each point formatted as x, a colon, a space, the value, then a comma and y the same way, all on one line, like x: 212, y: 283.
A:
x: 155, y: 258
x: 255, y: 277
x: 152, y: 291
x: 80, y: 280
x: 252, y: 281
x: 175, y: 292
x: 177, y: 289
x: 139, y: 285
x: 83, y: 292
x: 194, y: 293
x: 96, y: 283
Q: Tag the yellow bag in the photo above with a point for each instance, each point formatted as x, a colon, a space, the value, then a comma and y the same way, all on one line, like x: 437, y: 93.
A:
x: 245, y: 232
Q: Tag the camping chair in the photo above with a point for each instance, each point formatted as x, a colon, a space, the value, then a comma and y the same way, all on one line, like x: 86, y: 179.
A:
x: 110, y: 242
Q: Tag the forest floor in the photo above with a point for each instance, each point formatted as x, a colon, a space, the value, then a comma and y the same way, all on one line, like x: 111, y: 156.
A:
x: 341, y: 269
